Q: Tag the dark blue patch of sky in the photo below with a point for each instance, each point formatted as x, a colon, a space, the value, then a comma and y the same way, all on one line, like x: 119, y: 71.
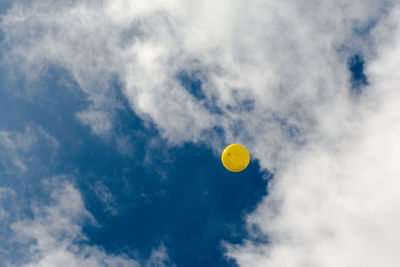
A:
x: 358, y: 78
x: 192, y: 83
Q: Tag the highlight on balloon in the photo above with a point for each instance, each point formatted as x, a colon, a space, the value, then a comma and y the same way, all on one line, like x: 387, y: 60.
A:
x: 235, y: 158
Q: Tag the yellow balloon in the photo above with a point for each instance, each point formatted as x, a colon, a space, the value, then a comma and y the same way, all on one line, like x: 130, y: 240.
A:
x: 235, y: 158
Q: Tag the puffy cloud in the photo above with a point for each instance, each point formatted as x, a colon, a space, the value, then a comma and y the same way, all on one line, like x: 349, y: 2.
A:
x: 259, y: 63
x: 274, y: 76
x: 336, y: 203
x: 54, y: 235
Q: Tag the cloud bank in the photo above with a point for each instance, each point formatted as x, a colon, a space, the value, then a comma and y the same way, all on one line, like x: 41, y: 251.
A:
x: 274, y: 76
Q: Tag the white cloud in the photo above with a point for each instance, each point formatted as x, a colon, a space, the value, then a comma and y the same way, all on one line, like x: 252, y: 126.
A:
x: 5, y: 193
x: 106, y: 197
x: 333, y: 201
x: 99, y: 121
x: 54, y: 234
x: 337, y: 202
x: 264, y: 52
x: 16, y: 148
x: 159, y: 257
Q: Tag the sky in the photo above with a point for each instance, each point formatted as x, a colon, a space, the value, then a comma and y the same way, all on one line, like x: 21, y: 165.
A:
x: 114, y: 115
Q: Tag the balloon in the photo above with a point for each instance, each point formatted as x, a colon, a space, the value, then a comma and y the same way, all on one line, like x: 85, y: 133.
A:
x: 235, y: 157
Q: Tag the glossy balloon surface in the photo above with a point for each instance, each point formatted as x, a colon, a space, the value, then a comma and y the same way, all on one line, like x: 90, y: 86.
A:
x: 235, y: 158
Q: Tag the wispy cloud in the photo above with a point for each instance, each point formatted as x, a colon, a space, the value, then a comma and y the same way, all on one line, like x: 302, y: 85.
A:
x: 54, y: 235
x: 106, y: 197
x: 5, y: 194
x: 17, y: 148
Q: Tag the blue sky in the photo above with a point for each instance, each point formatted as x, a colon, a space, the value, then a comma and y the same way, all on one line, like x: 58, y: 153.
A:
x: 182, y: 197
x: 113, y: 116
